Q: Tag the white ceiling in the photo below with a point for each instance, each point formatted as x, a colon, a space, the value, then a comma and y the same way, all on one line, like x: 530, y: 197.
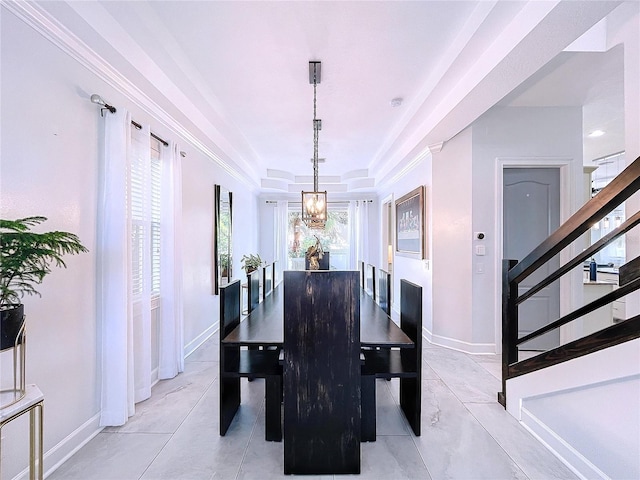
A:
x: 592, y: 80
x: 235, y: 74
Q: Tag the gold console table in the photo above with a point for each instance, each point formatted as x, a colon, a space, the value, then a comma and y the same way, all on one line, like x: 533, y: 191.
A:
x: 32, y: 402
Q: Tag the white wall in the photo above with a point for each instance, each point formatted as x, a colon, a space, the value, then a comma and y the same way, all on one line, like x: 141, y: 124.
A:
x: 464, y: 201
x: 452, y: 274
x: 199, y: 175
x: 586, y: 410
x: 524, y: 136
x: 49, y: 166
x: 416, y: 271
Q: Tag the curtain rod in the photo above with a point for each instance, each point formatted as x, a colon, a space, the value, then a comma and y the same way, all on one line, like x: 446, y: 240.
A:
x: 139, y: 127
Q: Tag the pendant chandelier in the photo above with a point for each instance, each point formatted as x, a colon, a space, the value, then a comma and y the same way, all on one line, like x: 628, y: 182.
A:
x: 314, y: 204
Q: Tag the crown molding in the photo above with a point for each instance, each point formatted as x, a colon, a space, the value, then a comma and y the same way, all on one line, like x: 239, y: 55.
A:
x: 417, y: 160
x: 43, y: 23
x: 436, y: 147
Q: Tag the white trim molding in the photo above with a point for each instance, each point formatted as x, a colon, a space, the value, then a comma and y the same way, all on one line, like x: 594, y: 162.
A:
x: 567, y: 207
x: 459, y: 345
x: 38, y: 19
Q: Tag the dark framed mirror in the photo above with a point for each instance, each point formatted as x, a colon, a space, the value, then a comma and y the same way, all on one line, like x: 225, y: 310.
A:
x: 222, y: 251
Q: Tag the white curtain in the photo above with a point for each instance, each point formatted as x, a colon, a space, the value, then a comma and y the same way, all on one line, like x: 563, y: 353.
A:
x: 281, y: 222
x: 353, y: 235
x: 125, y: 320
x: 171, y: 360
x: 114, y: 262
x: 140, y: 161
x: 358, y: 231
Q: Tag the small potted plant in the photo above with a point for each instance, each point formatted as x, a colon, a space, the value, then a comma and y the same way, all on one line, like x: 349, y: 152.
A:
x: 251, y: 262
x: 26, y: 257
x: 224, y: 264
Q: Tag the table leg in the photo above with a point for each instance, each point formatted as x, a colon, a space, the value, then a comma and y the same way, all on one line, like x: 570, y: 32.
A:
x: 368, y: 408
x: 36, y: 466
x: 273, y: 407
x: 410, y: 402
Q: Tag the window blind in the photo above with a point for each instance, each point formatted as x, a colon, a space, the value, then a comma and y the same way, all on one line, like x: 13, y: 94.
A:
x: 145, y: 193
x: 156, y: 175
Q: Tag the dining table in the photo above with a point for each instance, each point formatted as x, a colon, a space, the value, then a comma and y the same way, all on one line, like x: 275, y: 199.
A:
x: 264, y: 326
x: 263, y: 329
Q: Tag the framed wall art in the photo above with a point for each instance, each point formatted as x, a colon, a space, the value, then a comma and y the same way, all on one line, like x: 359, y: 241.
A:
x: 410, y: 224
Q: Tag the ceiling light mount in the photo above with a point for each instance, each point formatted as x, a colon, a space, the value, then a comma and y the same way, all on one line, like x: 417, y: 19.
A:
x: 315, y: 72
x: 314, y: 204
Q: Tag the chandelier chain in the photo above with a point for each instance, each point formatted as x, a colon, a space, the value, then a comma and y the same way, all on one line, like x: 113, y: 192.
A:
x: 315, y: 135
x: 314, y: 204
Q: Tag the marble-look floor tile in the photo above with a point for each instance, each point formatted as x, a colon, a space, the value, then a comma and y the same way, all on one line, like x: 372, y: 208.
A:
x: 392, y: 457
x: 428, y: 373
x: 454, y: 445
x: 262, y: 459
x: 197, y: 451
x: 465, y: 433
x: 491, y: 365
x: 469, y: 381
x: 389, y: 417
x: 171, y: 401
x: 209, y: 351
x: 532, y: 457
x: 265, y: 460
x: 113, y: 456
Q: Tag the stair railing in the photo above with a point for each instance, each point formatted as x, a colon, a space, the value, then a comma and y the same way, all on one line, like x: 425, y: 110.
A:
x: 514, y: 272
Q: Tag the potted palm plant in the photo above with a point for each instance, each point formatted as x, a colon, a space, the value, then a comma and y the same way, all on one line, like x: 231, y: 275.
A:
x: 26, y: 257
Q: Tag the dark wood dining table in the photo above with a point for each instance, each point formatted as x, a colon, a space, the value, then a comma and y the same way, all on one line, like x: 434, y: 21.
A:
x: 265, y: 325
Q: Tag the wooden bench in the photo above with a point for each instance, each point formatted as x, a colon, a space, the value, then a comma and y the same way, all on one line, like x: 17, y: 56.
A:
x: 405, y: 364
x: 370, y: 280
x: 384, y: 291
x: 268, y: 280
x: 236, y: 363
x: 253, y: 289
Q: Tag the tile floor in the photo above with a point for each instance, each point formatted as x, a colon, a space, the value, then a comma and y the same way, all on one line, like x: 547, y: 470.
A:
x: 466, y: 434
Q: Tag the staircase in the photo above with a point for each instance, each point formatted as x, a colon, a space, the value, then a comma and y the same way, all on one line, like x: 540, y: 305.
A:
x: 582, y: 399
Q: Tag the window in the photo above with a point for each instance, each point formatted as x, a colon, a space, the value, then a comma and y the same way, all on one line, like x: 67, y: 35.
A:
x: 156, y: 171
x: 334, y: 238
x: 144, y: 190
x: 607, y: 169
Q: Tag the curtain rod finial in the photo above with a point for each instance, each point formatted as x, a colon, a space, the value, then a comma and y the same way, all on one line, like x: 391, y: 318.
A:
x: 98, y: 100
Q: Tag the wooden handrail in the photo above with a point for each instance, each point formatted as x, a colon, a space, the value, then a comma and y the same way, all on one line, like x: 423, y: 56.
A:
x: 612, y: 195
x: 513, y: 273
x: 586, y: 254
x: 605, y: 338
x: 590, y: 307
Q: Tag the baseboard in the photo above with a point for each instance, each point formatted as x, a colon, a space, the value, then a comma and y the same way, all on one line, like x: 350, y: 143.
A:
x: 454, y: 344
x: 60, y: 453
x: 193, y: 345
x: 568, y: 455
